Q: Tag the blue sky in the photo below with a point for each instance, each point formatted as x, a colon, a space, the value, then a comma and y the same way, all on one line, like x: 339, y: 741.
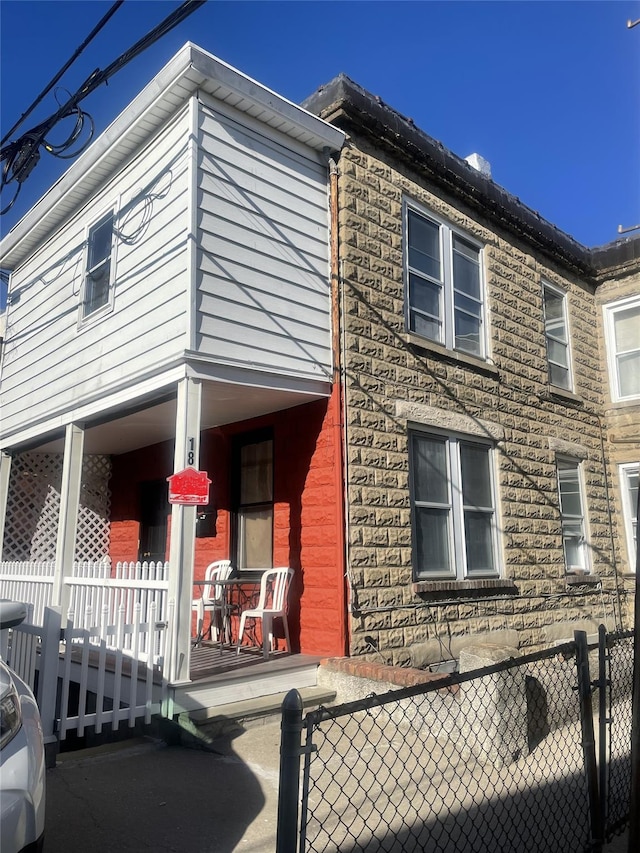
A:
x: 548, y: 92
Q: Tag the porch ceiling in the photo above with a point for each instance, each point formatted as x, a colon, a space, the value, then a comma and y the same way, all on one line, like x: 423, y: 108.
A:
x: 222, y: 403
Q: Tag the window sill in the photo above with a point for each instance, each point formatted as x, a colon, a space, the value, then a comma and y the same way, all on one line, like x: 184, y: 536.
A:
x: 561, y: 395
x: 626, y: 404
x: 504, y: 584
x: 582, y: 579
x: 433, y: 348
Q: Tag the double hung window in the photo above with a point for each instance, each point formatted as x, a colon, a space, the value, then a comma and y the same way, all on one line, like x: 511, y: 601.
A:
x: 556, y: 329
x: 253, y: 476
x: 445, y: 289
x: 629, y: 475
x: 572, y: 514
x: 622, y: 327
x: 453, y: 507
x: 98, y: 271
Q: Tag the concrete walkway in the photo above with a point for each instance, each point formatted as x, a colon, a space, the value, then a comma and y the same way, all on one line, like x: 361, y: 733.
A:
x: 146, y: 796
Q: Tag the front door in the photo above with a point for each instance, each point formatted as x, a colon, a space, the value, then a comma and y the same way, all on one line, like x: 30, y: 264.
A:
x: 154, y: 510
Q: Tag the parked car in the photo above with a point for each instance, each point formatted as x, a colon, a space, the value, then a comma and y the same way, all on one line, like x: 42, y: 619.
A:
x: 22, y: 762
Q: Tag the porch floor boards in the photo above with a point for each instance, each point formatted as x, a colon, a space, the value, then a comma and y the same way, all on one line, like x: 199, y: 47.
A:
x: 210, y: 663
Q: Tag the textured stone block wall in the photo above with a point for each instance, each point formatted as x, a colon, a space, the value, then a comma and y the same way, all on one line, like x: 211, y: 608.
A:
x: 391, y: 381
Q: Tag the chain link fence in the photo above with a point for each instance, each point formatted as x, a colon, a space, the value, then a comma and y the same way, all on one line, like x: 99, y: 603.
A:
x: 501, y: 758
x: 618, y: 649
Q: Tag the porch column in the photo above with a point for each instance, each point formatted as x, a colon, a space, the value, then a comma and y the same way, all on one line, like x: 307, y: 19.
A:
x: 183, y: 528
x: 68, y: 518
x: 5, y: 475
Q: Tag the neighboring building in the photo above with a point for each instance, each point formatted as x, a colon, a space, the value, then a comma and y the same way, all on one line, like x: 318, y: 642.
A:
x: 618, y: 300
x: 170, y: 305
x: 478, y: 491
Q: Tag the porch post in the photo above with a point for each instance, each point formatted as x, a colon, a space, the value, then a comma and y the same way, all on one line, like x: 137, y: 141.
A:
x: 5, y: 474
x: 183, y: 528
x: 68, y: 518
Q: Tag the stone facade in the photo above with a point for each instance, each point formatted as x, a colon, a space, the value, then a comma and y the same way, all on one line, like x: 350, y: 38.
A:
x: 395, y: 380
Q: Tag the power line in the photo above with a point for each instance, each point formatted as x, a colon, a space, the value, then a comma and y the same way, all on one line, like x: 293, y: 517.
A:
x: 20, y: 157
x: 94, y: 32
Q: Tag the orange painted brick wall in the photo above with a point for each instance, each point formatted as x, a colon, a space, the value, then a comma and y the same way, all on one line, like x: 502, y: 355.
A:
x: 308, y: 529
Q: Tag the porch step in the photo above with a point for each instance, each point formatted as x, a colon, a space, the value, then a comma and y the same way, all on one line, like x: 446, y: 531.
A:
x: 200, y: 728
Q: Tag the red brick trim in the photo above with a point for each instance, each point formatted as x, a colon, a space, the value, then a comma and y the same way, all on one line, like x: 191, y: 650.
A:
x: 398, y: 675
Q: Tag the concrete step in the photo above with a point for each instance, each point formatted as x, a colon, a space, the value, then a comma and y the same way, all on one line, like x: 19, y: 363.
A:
x: 200, y: 729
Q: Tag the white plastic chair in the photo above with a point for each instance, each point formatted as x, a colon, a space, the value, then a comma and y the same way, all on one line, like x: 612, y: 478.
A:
x: 272, y: 604
x: 212, y: 598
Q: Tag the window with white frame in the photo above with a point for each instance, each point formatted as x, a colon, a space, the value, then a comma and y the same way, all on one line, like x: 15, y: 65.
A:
x: 445, y: 288
x: 556, y: 327
x: 99, y: 267
x: 629, y: 475
x: 622, y: 330
x: 572, y: 514
x: 453, y: 507
x: 253, y: 484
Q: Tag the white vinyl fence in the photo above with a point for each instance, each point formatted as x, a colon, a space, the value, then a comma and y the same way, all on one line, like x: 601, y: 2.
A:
x: 105, y: 662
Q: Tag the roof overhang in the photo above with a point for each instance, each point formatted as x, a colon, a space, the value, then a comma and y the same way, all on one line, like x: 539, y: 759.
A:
x: 190, y: 70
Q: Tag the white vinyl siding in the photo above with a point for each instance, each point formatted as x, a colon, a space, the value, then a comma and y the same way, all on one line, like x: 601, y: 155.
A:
x: 556, y: 326
x: 263, y: 294
x: 52, y: 364
x: 573, y: 515
x: 453, y: 508
x: 445, y: 286
x: 622, y: 329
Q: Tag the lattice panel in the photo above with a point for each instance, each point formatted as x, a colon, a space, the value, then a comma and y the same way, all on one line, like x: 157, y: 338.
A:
x: 33, y: 508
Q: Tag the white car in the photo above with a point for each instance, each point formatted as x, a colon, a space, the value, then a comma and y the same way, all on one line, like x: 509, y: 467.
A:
x: 22, y: 762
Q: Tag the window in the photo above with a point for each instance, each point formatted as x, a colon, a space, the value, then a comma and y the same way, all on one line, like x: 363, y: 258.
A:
x: 556, y: 330
x: 253, y: 475
x: 453, y: 507
x: 97, y: 280
x: 622, y: 329
x: 444, y: 284
x: 572, y: 515
x: 629, y: 483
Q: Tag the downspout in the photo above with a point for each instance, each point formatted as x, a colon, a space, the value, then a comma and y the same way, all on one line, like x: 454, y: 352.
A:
x: 337, y: 386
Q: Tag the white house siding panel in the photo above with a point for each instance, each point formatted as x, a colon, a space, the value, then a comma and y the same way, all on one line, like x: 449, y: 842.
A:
x: 51, y: 364
x: 263, y: 291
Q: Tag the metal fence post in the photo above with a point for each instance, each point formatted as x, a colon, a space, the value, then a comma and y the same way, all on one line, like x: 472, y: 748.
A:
x: 289, y: 783
x: 603, y: 720
x: 588, y: 739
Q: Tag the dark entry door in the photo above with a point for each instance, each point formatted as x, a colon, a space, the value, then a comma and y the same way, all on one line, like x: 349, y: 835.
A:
x: 154, y: 509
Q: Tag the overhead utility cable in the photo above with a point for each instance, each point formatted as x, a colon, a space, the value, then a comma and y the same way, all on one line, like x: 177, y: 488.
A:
x: 20, y: 157
x: 94, y: 32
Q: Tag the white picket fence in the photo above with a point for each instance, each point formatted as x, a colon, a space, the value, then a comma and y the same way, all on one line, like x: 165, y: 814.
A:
x: 113, y: 643
x: 93, y: 586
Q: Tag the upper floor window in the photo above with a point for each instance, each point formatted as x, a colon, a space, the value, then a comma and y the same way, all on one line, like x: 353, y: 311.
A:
x: 97, y: 279
x: 572, y: 515
x: 622, y: 330
x: 629, y: 475
x: 253, y: 478
x: 556, y: 329
x: 445, y: 289
x: 453, y: 507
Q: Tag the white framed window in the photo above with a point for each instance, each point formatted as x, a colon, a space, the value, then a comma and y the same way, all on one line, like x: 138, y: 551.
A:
x: 99, y: 266
x: 444, y: 283
x: 556, y: 329
x: 453, y: 507
x: 622, y: 333
x: 629, y: 475
x: 572, y: 514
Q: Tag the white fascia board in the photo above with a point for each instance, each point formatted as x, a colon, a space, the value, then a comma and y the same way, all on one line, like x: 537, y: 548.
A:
x: 189, y: 70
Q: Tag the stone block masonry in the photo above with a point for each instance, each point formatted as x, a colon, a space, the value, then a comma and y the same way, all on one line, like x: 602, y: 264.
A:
x: 395, y: 380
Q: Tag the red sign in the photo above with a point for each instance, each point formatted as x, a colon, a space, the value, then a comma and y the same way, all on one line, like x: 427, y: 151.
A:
x: 190, y: 487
